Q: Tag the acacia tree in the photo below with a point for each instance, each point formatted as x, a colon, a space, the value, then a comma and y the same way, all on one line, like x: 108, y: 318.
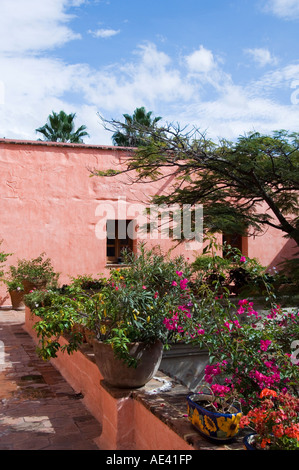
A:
x: 133, y: 132
x: 231, y: 180
x: 61, y: 128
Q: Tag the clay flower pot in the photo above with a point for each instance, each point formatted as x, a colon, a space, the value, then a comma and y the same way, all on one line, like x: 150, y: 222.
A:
x: 29, y: 285
x: 17, y: 297
x: 118, y: 374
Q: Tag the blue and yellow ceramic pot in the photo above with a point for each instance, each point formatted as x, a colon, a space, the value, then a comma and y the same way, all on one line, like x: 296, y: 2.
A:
x: 220, y: 427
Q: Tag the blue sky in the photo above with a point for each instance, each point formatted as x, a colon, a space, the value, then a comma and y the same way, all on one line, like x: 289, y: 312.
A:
x: 225, y: 66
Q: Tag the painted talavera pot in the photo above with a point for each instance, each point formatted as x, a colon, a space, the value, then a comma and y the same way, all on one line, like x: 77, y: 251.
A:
x: 249, y: 442
x: 219, y: 427
x: 118, y: 374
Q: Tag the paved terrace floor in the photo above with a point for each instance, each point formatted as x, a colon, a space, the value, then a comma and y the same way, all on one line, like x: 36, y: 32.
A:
x: 38, y: 409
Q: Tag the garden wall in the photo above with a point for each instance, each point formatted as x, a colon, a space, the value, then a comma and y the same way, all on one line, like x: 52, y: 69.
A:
x: 49, y: 203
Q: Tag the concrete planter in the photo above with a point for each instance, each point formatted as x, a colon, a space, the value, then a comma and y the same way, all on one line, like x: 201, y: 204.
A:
x: 185, y: 363
x: 118, y: 374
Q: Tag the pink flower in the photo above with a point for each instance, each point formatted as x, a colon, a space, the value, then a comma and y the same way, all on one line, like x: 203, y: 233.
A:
x: 242, y: 259
x: 174, y: 283
x: 220, y: 390
x: 201, y: 331
x: 143, y: 287
x: 265, y: 344
x: 156, y: 295
x: 179, y: 273
x: 183, y: 283
x: 241, y: 310
x: 237, y: 324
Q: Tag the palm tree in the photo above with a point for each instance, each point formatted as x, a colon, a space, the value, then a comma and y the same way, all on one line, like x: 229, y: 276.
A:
x: 61, y: 128
x: 134, y: 128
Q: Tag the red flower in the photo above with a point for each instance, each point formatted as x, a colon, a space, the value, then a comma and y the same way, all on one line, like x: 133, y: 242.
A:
x: 266, y: 392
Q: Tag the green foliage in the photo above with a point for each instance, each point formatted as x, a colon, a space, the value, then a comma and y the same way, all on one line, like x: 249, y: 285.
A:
x: 14, y: 285
x: 135, y: 128
x: 36, y: 270
x: 212, y: 269
x: 248, y: 350
x: 3, y: 258
x: 129, y: 306
x: 230, y: 180
x: 232, y: 273
x: 61, y: 312
x: 61, y: 128
x: 87, y: 282
x: 290, y: 271
x: 154, y: 268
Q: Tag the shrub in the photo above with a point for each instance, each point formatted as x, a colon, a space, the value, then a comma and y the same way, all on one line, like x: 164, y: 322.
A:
x: 37, y: 270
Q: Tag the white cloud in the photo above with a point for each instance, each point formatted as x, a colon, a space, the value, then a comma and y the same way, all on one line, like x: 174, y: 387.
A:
x: 262, y: 56
x: 288, y: 9
x: 236, y: 112
x: 149, y: 79
x: 32, y: 25
x: 104, y: 33
x: 201, y: 61
x: 196, y: 90
x: 152, y: 79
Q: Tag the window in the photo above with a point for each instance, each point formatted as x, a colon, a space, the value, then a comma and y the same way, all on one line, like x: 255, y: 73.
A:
x: 119, y: 238
x: 236, y: 241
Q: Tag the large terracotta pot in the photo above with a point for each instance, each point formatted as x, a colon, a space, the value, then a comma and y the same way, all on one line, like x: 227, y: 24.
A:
x: 118, y: 374
x: 17, y: 298
x: 29, y: 286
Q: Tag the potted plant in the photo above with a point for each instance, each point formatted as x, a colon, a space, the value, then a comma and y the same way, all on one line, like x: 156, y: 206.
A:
x: 274, y: 422
x: 126, y: 318
x: 216, y: 414
x: 247, y: 349
x: 16, y: 292
x: 129, y: 331
x: 35, y: 273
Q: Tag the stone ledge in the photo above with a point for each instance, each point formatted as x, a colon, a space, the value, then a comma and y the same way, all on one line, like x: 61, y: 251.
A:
x: 169, y: 406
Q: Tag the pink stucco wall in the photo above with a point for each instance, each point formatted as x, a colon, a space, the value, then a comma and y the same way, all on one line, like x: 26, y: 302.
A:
x: 49, y: 203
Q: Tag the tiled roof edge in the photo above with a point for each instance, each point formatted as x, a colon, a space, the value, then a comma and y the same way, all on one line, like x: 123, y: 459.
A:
x: 62, y: 144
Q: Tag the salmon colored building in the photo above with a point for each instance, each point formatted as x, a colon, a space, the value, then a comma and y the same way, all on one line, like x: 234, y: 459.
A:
x: 50, y: 203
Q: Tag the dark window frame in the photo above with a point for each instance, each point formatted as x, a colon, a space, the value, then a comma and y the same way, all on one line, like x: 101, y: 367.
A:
x: 119, y: 239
